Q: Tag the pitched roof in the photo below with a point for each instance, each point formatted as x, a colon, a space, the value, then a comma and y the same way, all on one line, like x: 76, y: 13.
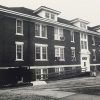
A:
x: 23, y: 10
x: 61, y: 20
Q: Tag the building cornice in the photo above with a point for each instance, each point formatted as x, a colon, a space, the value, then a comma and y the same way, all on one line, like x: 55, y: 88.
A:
x: 47, y: 21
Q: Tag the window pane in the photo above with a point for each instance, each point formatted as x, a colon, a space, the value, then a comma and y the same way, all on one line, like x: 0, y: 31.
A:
x: 37, y: 52
x: 47, y: 15
x: 37, y: 30
x: 61, y: 69
x: 85, y: 45
x: 72, y: 36
x: 84, y: 36
x: 44, y: 56
x: 45, y: 71
x: 19, y: 23
x: 19, y: 51
x: 60, y: 31
x: 52, y: 16
x: 61, y: 53
x: 57, y: 70
x: 19, y: 26
x: 44, y: 31
x: 82, y: 46
x: 56, y: 52
x: 38, y: 71
x: 19, y: 30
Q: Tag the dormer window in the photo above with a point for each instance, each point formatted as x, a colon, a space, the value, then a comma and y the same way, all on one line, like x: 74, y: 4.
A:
x: 47, y: 15
x: 83, y: 25
x: 80, y: 23
x: 52, y: 16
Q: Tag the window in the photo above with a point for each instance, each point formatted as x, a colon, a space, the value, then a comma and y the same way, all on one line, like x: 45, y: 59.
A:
x: 41, y: 74
x: 58, y: 32
x: 84, y: 43
x: 93, y: 40
x: 19, y: 51
x: 59, y: 52
x: 83, y: 25
x: 40, y: 30
x: 93, y: 54
x: 72, y: 36
x: 73, y: 58
x: 40, y: 52
x: 52, y: 16
x: 19, y: 27
x: 58, y: 70
x: 47, y: 15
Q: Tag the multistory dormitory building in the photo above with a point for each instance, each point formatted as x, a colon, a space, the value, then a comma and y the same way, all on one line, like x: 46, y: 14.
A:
x: 38, y: 45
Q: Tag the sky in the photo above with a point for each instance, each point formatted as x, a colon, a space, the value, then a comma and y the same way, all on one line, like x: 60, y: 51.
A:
x: 88, y: 10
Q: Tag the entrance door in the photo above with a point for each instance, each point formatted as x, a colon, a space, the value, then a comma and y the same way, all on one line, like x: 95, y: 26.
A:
x: 85, y: 62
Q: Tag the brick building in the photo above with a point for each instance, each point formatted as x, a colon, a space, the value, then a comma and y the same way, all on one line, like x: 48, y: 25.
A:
x: 39, y: 45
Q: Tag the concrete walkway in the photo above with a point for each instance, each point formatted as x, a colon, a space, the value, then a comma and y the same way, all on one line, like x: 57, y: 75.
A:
x: 53, y: 93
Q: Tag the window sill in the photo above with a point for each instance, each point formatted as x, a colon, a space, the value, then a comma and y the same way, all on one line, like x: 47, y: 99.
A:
x: 59, y: 40
x: 41, y: 37
x: 72, y: 41
x: 41, y: 60
x: 93, y: 44
x: 60, y: 60
x: 19, y: 60
x: 19, y: 34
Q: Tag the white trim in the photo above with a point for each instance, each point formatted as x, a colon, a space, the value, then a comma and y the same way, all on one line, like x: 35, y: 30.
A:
x: 41, y: 56
x: 94, y: 51
x: 58, y: 46
x: 19, y: 43
x: 42, y: 45
x: 59, y: 54
x: 21, y: 27
x: 72, y: 34
x: 48, y: 21
x: 54, y: 66
x: 93, y: 40
x: 94, y: 64
x: 40, y: 33
x: 48, y: 9
x: 57, y: 33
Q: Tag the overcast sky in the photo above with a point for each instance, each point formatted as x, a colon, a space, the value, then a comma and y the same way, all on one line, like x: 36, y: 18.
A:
x: 85, y: 9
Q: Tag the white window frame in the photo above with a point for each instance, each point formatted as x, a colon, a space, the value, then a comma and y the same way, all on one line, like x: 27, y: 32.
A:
x: 74, y: 57
x: 83, y: 25
x: 59, y: 54
x: 72, y: 36
x: 93, y: 40
x: 58, y: 34
x: 19, y: 43
x: 53, y: 15
x: 41, y: 74
x: 94, y: 54
x: 40, y: 36
x: 58, y: 70
x: 21, y: 27
x: 84, y: 39
x: 41, y: 57
x: 48, y: 14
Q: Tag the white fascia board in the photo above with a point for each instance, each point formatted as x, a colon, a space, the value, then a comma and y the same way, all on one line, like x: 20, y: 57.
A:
x: 47, y: 21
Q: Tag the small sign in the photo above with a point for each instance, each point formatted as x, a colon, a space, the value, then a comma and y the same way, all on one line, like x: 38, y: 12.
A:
x: 84, y: 58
